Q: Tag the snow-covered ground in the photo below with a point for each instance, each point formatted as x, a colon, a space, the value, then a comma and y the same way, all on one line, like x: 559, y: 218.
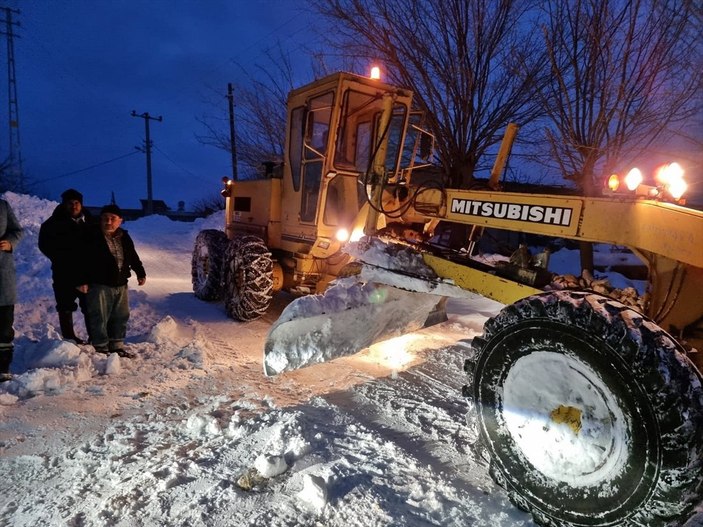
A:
x: 176, y: 435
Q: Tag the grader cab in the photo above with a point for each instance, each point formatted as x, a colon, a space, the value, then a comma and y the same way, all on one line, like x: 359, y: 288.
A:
x: 588, y: 402
x: 285, y: 232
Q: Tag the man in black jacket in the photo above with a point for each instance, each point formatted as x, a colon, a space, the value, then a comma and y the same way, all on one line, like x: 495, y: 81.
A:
x: 62, y: 239
x: 111, y: 256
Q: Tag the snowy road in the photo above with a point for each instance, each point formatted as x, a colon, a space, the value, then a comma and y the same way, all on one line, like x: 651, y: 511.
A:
x: 376, y: 439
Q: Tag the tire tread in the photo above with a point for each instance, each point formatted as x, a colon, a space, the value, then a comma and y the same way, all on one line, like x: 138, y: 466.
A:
x: 211, y: 287
x: 673, y: 385
x: 248, y: 254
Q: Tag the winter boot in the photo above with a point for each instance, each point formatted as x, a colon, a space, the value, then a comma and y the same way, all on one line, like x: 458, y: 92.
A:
x: 66, y: 323
x: 5, y: 360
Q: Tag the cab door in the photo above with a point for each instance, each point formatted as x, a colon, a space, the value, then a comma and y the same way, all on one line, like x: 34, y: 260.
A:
x: 317, y: 132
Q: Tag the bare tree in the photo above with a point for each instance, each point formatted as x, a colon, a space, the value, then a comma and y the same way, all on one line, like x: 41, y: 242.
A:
x: 622, y: 75
x: 209, y: 204
x: 473, y: 65
x: 260, y: 98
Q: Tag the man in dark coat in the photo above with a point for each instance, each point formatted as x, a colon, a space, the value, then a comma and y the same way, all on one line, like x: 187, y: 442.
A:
x: 10, y: 234
x: 62, y: 238
x: 111, y: 256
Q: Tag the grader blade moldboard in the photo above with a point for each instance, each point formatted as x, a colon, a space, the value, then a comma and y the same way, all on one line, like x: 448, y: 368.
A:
x: 348, y: 318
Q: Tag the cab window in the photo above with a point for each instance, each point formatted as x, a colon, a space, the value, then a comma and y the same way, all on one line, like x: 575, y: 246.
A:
x: 358, y: 132
x: 317, y: 128
x: 345, y: 196
x: 296, y: 144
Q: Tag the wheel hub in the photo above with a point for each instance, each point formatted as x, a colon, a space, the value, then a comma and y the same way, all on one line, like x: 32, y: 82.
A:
x: 565, y: 420
x: 567, y: 415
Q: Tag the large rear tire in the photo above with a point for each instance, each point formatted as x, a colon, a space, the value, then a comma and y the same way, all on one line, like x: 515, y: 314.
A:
x: 206, y: 264
x: 248, y: 278
x: 591, y: 414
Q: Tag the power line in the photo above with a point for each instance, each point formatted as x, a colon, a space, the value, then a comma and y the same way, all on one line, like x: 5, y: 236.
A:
x: 177, y: 165
x: 87, y: 168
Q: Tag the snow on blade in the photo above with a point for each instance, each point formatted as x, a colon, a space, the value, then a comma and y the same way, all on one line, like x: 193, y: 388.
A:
x: 396, y: 293
x: 400, y: 266
x: 349, y: 317
x: 392, y: 256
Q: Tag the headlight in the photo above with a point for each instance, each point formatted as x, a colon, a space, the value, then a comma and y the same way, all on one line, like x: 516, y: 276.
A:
x: 633, y: 179
x: 614, y: 182
x: 671, y: 178
x: 342, y: 235
x: 670, y: 184
x: 677, y: 188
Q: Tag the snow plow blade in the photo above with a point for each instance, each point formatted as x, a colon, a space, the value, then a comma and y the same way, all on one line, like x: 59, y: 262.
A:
x: 394, y: 293
x: 348, y: 318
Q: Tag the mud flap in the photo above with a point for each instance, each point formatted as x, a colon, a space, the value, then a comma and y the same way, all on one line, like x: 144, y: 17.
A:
x: 349, y: 317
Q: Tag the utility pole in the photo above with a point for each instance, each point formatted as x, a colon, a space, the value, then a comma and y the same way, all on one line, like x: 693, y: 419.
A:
x: 147, y: 149
x: 15, y: 156
x: 232, y: 137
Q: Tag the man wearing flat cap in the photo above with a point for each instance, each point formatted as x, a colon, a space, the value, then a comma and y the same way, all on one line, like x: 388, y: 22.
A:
x: 62, y: 238
x: 111, y: 258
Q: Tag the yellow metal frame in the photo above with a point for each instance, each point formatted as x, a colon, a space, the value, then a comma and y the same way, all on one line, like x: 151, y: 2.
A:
x: 661, y: 228
x: 549, y: 215
x: 480, y: 282
x: 667, y: 237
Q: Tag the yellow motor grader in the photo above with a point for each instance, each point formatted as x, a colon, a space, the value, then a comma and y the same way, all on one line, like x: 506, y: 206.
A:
x: 589, y: 407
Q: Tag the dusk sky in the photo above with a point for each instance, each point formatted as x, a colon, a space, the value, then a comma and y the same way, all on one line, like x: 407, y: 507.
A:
x: 82, y: 66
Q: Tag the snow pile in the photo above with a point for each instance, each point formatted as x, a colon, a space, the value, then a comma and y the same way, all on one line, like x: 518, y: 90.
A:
x: 270, y: 466
x: 314, y: 491
x: 343, y: 294
x: 567, y: 261
x: 168, y: 438
x: 392, y: 256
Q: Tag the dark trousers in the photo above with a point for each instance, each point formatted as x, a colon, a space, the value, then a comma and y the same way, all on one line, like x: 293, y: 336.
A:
x: 66, y: 296
x: 108, y: 313
x: 7, y: 335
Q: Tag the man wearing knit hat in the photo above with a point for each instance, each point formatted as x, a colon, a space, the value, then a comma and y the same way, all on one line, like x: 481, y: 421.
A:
x: 62, y: 238
x: 111, y: 258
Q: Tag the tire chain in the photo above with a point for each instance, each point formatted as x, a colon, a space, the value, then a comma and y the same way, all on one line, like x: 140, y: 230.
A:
x: 208, y: 287
x: 248, y: 256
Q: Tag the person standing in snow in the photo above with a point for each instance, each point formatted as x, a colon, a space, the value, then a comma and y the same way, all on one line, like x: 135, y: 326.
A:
x: 111, y: 255
x: 62, y: 239
x: 10, y: 234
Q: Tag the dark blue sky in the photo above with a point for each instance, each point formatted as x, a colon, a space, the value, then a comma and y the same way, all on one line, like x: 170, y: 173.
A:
x: 82, y: 66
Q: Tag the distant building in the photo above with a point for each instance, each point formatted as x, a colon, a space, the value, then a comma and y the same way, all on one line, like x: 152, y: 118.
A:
x: 159, y: 207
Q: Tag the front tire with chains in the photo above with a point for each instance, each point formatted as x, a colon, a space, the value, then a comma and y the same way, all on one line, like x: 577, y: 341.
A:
x: 206, y: 264
x: 590, y: 413
x: 248, y: 277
